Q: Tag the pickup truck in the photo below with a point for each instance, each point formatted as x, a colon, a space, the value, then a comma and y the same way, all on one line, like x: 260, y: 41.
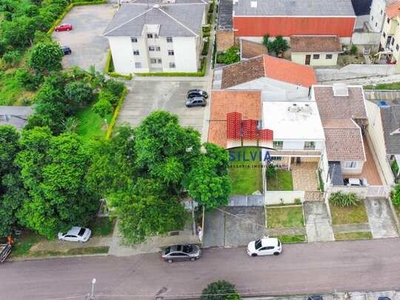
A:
x: 5, y: 250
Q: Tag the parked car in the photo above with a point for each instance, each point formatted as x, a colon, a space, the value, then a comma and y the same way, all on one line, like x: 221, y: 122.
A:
x: 196, y: 93
x: 181, y: 252
x: 63, y: 27
x: 355, y: 182
x: 264, y: 246
x: 315, y: 298
x: 66, y: 50
x: 384, y: 298
x: 75, y: 234
x: 196, y: 101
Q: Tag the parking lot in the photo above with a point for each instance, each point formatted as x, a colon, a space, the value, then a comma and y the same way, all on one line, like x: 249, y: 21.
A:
x: 88, y: 45
x: 148, y: 94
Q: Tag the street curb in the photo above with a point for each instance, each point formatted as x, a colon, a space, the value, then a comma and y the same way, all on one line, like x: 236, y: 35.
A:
x: 56, y: 257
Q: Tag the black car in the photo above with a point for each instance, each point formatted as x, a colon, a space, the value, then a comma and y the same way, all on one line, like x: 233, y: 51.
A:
x: 196, y: 93
x: 196, y: 101
x: 66, y: 50
x: 315, y: 298
x: 181, y: 252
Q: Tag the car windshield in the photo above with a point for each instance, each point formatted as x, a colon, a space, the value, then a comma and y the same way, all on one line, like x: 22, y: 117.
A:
x: 167, y: 250
x: 81, y: 232
x: 257, y: 244
x: 279, y: 243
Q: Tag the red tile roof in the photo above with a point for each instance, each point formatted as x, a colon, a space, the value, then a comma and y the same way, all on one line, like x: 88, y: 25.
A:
x: 267, y: 66
x: 248, y: 103
x: 344, y: 144
x: 301, y: 43
x: 393, y: 10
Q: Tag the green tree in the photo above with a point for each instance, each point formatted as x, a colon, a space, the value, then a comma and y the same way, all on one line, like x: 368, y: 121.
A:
x: 102, y: 108
x: 209, y: 182
x: 79, y: 93
x: 19, y: 32
x: 53, y: 170
x: 266, y: 42
x: 278, y: 45
x: 220, y: 290
x: 114, y: 87
x: 11, y: 191
x: 45, y: 57
x: 395, y: 194
x: 229, y: 56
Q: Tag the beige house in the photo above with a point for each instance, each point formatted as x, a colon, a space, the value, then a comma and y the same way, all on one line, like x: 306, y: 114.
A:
x: 390, y: 39
x: 315, y: 50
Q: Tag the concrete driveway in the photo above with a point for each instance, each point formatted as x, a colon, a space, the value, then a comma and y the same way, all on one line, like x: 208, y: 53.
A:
x: 85, y: 40
x: 380, y: 218
x: 318, y: 223
x: 234, y: 226
x: 166, y: 93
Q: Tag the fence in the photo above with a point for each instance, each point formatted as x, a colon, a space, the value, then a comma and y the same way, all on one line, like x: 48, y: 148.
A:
x: 283, y: 197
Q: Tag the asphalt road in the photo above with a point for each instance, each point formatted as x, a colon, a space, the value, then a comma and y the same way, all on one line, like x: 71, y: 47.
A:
x: 301, y: 268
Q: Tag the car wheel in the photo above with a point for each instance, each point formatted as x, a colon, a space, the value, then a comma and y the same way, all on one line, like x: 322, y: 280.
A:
x: 276, y: 253
x: 57, y: 30
x: 193, y: 259
x: 170, y: 261
x: 204, y: 105
x: 253, y: 255
x: 68, y: 29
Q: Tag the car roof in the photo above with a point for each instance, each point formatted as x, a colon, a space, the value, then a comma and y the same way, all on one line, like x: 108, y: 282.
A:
x: 269, y: 242
x: 74, y: 230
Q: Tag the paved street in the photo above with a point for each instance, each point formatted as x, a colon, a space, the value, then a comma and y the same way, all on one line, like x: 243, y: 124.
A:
x: 301, y: 268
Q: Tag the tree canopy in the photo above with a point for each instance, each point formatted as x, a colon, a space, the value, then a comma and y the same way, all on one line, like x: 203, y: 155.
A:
x: 45, y: 57
x: 220, y: 290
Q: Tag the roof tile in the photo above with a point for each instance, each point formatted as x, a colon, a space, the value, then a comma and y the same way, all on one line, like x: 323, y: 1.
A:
x: 301, y: 43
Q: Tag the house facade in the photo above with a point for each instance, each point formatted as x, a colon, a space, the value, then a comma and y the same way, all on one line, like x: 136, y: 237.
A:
x: 384, y: 130
x: 315, y: 50
x: 377, y: 15
x: 390, y: 38
x: 255, y: 18
x: 163, y: 37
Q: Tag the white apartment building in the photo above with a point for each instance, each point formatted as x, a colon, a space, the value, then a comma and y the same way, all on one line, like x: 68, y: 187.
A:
x: 152, y: 37
x: 377, y: 14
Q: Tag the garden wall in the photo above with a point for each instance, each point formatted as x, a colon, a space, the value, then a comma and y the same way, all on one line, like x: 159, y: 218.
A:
x: 246, y: 200
x: 283, y: 197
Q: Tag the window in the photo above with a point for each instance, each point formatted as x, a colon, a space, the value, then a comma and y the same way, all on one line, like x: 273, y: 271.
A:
x: 171, y: 52
x: 381, y: 12
x: 149, y: 35
x: 350, y: 164
x: 384, y: 35
x: 136, y: 52
x: 277, y: 145
x: 159, y: 60
x: 376, y: 24
x: 397, y: 47
x: 156, y: 36
x: 169, y: 39
x: 372, y: 18
x: 134, y: 40
x: 328, y: 56
x: 138, y: 65
x: 315, y: 56
x: 172, y: 65
x: 151, y: 48
x: 158, y: 49
x: 388, y: 20
x: 309, y: 146
x: 153, y: 61
x: 392, y: 41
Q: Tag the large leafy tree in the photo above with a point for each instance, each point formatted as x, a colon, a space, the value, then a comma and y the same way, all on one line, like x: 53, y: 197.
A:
x: 11, y: 192
x: 45, y: 57
x: 53, y: 170
x: 209, y: 182
x: 220, y: 290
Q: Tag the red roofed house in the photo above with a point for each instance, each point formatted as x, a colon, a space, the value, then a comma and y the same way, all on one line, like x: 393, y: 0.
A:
x: 390, y: 38
x: 256, y: 18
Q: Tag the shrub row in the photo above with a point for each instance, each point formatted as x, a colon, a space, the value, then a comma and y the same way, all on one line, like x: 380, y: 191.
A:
x: 116, y: 113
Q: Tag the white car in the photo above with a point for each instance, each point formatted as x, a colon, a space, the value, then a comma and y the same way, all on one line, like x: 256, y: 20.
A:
x: 75, y: 234
x: 264, y: 246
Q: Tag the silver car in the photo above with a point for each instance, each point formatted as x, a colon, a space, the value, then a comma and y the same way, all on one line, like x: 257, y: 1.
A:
x: 181, y: 252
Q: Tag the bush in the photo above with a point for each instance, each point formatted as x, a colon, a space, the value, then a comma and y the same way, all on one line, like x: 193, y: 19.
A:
x: 29, y: 81
x: 353, y: 50
x: 229, y: 56
x: 106, y: 95
x: 114, y: 87
x: 344, y: 200
x: 220, y: 290
x: 12, y: 57
x: 395, y: 194
x: 271, y: 171
x: 103, y: 108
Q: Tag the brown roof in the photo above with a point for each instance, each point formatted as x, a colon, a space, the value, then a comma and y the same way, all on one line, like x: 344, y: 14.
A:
x: 343, y: 107
x: 248, y: 103
x: 315, y: 44
x: 393, y: 10
x: 252, y: 49
x: 267, y: 66
x: 344, y: 144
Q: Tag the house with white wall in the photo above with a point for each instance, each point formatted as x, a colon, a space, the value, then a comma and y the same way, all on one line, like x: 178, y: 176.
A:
x: 384, y: 131
x: 156, y: 37
x: 377, y: 15
x: 390, y: 38
x: 343, y: 114
x: 315, y: 50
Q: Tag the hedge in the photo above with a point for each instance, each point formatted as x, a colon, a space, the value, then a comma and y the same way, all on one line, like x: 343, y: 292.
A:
x: 69, y: 7
x: 116, y: 113
x: 201, y: 73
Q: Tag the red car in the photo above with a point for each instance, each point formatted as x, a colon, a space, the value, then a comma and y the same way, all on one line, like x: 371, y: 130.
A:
x: 63, y: 27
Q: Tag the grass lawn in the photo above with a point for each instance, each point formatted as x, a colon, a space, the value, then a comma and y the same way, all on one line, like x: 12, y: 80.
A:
x: 285, y: 217
x: 91, y: 126
x: 23, y: 244
x: 76, y: 251
x: 384, y: 86
x: 246, y: 176
x: 349, y: 215
x: 11, y: 91
x: 353, y: 236
x: 282, y: 181
x: 291, y: 239
x: 102, y: 226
